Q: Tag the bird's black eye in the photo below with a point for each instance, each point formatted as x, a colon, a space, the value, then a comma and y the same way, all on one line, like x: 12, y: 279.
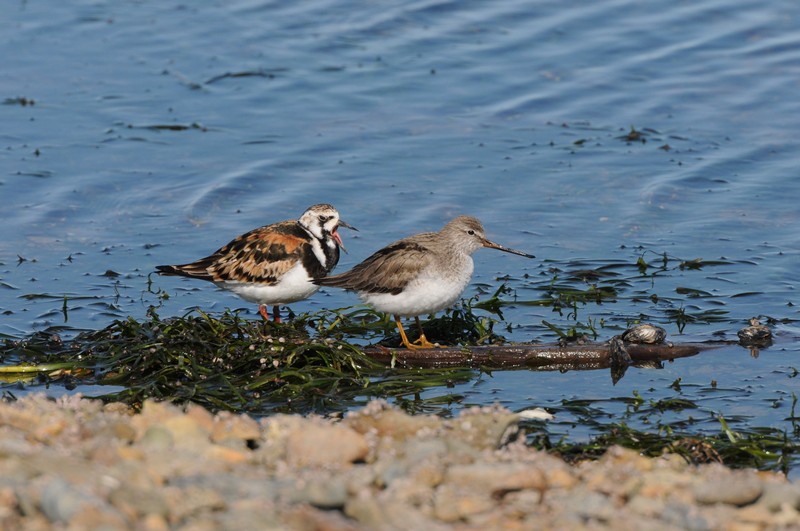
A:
x: 471, y: 232
x: 323, y: 219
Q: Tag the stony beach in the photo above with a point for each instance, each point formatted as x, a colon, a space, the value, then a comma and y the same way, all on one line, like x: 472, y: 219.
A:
x: 76, y: 463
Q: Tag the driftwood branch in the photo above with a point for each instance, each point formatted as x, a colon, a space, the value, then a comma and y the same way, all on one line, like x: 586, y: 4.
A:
x: 538, y: 357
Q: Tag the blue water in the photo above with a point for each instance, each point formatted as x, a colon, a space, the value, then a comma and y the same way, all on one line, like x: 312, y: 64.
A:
x: 145, y: 133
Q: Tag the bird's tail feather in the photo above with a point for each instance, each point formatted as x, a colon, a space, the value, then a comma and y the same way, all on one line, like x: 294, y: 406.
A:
x: 195, y: 270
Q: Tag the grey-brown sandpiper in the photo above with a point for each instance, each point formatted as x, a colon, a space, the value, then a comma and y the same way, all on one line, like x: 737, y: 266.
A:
x: 418, y: 275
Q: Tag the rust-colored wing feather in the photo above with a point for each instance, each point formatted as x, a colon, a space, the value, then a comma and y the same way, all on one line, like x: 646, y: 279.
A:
x: 260, y: 256
x: 388, y: 270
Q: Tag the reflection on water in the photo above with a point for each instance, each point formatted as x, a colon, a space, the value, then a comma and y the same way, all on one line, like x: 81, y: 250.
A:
x: 138, y: 134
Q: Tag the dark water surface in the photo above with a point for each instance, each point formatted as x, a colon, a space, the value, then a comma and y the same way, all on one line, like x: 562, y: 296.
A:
x: 142, y: 133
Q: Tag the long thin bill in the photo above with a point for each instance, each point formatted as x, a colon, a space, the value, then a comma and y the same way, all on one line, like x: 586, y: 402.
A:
x: 347, y: 225
x: 492, y: 245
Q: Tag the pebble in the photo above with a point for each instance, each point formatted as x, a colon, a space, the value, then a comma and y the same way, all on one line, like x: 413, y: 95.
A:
x: 229, y: 427
x: 136, y: 502
x: 484, y: 428
x: 319, y: 446
x: 384, y: 421
x: 594, y: 506
x: 685, y: 516
x: 453, y: 504
x: 192, y: 502
x: 60, y: 501
x: 778, y: 495
x: 740, y: 487
x: 496, y: 478
x: 187, y: 433
x: 331, y: 494
x: 157, y: 438
x: 74, y: 463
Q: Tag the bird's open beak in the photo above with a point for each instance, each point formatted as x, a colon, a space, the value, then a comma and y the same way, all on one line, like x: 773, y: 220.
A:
x: 347, y: 225
x: 492, y: 245
x: 338, y: 238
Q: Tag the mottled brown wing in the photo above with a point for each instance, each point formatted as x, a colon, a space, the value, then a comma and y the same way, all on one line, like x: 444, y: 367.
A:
x: 387, y: 271
x: 260, y: 256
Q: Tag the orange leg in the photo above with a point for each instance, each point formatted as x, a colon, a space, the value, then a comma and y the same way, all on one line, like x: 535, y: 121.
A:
x: 406, y: 343
x: 423, y: 341
x: 276, y: 313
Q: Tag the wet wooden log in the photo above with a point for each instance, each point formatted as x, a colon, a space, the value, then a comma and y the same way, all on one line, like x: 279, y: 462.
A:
x: 537, y: 357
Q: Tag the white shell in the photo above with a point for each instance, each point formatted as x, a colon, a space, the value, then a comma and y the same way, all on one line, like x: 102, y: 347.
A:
x: 644, y: 334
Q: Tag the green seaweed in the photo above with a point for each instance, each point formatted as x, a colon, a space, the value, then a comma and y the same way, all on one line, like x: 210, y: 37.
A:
x: 228, y: 362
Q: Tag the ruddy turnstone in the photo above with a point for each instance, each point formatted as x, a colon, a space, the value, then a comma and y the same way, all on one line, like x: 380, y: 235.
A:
x: 275, y: 264
x: 420, y: 274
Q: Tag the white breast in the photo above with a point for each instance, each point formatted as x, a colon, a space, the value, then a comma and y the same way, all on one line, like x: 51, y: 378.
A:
x: 293, y: 286
x: 430, y: 292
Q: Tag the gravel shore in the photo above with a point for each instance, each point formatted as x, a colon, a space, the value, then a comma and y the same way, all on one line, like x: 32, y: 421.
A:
x: 78, y: 464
